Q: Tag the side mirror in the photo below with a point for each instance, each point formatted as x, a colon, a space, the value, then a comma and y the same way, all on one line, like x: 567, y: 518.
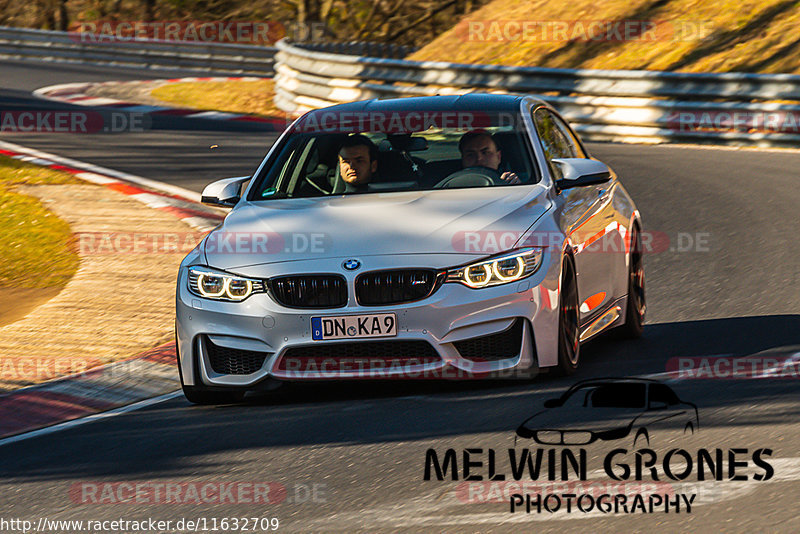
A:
x: 552, y: 403
x: 578, y: 172
x: 224, y: 193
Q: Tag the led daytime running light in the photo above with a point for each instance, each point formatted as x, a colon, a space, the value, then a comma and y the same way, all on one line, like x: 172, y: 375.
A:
x: 525, y: 263
x: 500, y: 276
x: 202, y: 276
x: 472, y: 283
x: 242, y: 289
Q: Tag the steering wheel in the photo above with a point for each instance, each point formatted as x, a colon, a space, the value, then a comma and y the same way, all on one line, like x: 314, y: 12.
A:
x: 471, y: 177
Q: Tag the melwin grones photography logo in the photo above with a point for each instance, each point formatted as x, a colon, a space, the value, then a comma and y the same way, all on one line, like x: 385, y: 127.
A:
x: 639, y: 431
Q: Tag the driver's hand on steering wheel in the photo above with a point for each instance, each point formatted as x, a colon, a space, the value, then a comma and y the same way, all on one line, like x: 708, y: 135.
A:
x: 511, y: 178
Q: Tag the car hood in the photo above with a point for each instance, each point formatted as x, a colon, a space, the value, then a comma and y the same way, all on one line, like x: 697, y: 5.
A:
x: 587, y: 419
x: 479, y: 221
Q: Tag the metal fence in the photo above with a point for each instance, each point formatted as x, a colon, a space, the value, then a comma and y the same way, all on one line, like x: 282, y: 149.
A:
x: 21, y: 43
x: 362, y: 48
x: 647, y: 106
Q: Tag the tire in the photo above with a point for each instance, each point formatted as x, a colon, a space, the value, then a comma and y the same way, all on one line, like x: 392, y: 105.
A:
x: 199, y: 395
x: 642, y: 433
x: 569, y: 345
x: 636, y: 304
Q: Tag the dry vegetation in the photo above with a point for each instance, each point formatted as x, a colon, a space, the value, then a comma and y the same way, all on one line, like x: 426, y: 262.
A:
x: 251, y: 97
x: 38, y: 248
x: 395, y: 21
x: 691, y: 36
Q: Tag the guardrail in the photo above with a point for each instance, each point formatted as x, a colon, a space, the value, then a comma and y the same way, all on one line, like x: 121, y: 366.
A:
x: 363, y: 48
x: 46, y: 45
x: 646, y: 106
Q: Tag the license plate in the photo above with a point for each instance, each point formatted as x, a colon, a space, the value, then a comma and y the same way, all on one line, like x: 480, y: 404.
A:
x: 353, y: 326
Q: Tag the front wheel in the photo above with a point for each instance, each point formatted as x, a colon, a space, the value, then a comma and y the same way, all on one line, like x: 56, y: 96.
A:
x: 636, y: 306
x: 641, y: 436
x: 197, y: 395
x: 569, y: 345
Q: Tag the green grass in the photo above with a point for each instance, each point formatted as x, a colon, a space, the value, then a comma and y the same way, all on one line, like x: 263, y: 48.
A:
x: 37, y: 247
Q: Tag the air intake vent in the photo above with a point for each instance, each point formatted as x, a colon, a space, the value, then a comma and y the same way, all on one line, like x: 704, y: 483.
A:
x: 310, y: 291
x: 500, y: 346
x: 226, y: 361
x: 396, y: 287
x: 360, y: 356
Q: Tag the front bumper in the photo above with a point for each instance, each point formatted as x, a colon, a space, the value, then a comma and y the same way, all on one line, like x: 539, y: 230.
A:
x: 453, y: 314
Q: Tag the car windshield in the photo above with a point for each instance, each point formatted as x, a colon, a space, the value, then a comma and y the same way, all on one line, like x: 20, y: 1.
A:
x: 418, y: 151
x: 620, y: 395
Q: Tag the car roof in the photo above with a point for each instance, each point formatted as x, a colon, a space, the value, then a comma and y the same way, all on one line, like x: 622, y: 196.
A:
x: 602, y: 381
x: 468, y: 102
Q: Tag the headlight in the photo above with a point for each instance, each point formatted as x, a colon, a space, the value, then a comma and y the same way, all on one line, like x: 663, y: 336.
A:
x: 217, y: 285
x: 548, y: 437
x: 503, y: 269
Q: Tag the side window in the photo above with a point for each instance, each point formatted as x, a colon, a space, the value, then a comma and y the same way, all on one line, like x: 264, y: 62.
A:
x: 570, y: 138
x: 555, y: 143
x: 662, y: 393
x: 619, y: 396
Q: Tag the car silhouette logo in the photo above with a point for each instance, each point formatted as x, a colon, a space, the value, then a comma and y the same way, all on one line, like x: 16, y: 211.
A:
x: 610, y: 409
x: 351, y: 265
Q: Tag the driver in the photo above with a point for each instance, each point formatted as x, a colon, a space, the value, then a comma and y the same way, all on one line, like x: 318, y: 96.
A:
x: 479, y: 149
x: 358, y: 163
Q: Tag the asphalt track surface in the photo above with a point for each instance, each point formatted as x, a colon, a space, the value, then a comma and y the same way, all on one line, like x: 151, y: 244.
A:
x: 362, y: 446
